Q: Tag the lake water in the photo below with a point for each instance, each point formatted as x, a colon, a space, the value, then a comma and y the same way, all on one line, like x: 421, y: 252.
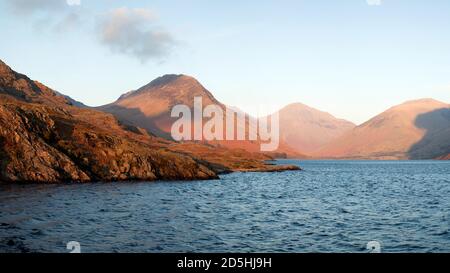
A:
x: 331, y: 206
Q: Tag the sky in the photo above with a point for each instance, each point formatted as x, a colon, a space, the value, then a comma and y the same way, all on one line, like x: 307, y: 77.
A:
x: 351, y: 58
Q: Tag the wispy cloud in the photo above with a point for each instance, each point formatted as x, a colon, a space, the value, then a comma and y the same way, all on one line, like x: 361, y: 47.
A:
x: 130, y: 31
x: 374, y: 2
x: 134, y: 32
x: 27, y: 7
x: 48, y: 14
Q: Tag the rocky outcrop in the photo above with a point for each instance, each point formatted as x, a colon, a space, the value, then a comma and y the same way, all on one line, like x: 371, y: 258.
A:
x: 25, y: 155
x: 41, y: 144
x: 43, y: 138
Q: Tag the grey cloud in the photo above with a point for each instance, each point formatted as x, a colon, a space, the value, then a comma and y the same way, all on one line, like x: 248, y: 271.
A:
x: 133, y: 32
x: 31, y: 7
x: 55, y: 15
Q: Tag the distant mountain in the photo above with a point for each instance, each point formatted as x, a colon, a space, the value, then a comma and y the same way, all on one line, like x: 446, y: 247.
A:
x: 307, y: 129
x: 417, y: 129
x: 150, y: 107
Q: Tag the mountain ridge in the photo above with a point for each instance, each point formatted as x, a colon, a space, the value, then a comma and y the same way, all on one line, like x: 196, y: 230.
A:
x: 307, y: 129
x: 397, y: 133
x: 149, y: 107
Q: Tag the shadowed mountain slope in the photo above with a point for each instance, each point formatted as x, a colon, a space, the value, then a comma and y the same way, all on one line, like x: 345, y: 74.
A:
x: 413, y: 130
x: 436, y: 141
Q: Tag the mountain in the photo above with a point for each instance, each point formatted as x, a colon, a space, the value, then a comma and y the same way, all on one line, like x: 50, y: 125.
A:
x: 45, y: 138
x: 418, y: 129
x: 21, y: 87
x: 307, y: 129
x: 150, y: 107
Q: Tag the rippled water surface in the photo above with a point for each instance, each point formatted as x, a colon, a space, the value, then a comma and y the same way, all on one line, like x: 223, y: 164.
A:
x: 331, y: 206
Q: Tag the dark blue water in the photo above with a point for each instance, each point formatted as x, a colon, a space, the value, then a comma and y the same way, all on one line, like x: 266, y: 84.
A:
x: 331, y: 206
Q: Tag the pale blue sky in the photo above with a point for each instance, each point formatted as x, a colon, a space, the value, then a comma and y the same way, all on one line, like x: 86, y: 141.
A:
x: 345, y: 57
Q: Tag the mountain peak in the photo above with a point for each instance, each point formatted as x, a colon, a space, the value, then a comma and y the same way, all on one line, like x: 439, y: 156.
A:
x: 299, y: 108
x: 307, y: 129
x: 417, y: 106
x: 170, y: 79
x: 296, y: 105
x: 180, y: 81
x: 150, y: 106
x: 423, y: 101
x: 163, y: 80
